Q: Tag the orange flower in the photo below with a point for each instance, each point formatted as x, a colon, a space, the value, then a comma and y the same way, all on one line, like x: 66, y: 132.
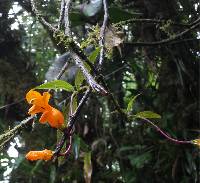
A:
x: 39, y: 155
x: 40, y: 105
x: 35, y: 98
x: 54, y: 117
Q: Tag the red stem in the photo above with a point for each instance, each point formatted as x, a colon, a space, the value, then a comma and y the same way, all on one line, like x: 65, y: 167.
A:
x: 166, y: 135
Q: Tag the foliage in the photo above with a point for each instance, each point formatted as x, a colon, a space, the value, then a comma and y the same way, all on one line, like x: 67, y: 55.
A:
x: 106, y: 146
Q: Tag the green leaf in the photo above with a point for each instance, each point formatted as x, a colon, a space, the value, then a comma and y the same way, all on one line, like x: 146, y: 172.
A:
x: 129, y: 148
x: 131, y: 102
x: 74, y: 104
x: 79, y: 79
x: 126, y: 148
x: 118, y: 14
x: 87, y: 167
x: 52, y: 174
x: 66, y: 110
x: 80, y: 145
x: 94, y: 54
x: 139, y: 161
x: 76, y: 146
x: 147, y: 114
x: 57, y: 84
x: 76, y: 19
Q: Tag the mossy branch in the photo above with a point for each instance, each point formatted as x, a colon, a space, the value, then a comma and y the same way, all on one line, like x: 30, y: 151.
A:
x: 8, y: 136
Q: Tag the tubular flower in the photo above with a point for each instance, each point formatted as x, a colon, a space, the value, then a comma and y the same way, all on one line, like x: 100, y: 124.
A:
x: 39, y: 155
x: 41, y: 105
x: 54, y: 118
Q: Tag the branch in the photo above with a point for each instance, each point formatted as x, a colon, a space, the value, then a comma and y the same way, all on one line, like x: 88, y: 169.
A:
x: 62, y: 10
x: 166, y: 135
x: 75, y: 51
x: 6, y: 137
x: 41, y: 18
x: 62, y: 71
x: 76, y: 54
x: 66, y: 17
x: 74, y: 116
x: 13, y: 103
x: 168, y: 43
x: 116, y: 104
x: 169, y: 40
x: 67, y: 133
x: 155, y: 21
x: 102, y: 34
x: 91, y: 81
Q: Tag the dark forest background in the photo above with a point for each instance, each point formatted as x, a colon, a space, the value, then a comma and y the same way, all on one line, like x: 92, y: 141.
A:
x: 151, y: 60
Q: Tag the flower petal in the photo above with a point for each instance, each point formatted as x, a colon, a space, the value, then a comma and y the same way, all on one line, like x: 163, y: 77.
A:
x: 56, y: 118
x: 47, y: 154
x: 31, y: 95
x: 44, y: 117
x: 46, y: 96
x: 35, y: 109
x: 39, y: 155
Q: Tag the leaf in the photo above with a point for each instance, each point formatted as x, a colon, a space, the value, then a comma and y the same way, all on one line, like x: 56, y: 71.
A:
x: 94, y: 54
x: 129, y: 148
x: 57, y: 84
x: 126, y: 148
x: 147, y: 114
x: 87, y: 167
x: 52, y: 174
x: 139, y: 161
x: 84, y: 146
x: 131, y: 102
x: 118, y: 14
x: 76, y: 146
x: 76, y: 19
x: 74, y: 104
x: 65, y: 109
x: 79, y: 79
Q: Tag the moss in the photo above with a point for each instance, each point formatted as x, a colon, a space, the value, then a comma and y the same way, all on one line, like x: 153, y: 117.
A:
x: 62, y: 39
x: 93, y: 37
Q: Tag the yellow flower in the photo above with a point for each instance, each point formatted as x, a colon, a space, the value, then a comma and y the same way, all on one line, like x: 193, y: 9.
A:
x: 39, y: 155
x: 196, y: 142
x: 41, y: 105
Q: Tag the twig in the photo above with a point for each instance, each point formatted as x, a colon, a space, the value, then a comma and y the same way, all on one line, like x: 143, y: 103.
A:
x: 116, y: 104
x: 169, y: 43
x: 102, y: 34
x: 74, y: 116
x: 41, y: 18
x: 13, y: 103
x: 165, y: 41
x: 62, y: 10
x: 76, y: 55
x: 91, y: 81
x: 166, y: 135
x: 62, y: 71
x: 66, y: 18
x: 7, y: 136
x: 68, y: 148
x: 115, y: 71
x: 146, y: 20
x: 67, y: 133
x: 60, y: 145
